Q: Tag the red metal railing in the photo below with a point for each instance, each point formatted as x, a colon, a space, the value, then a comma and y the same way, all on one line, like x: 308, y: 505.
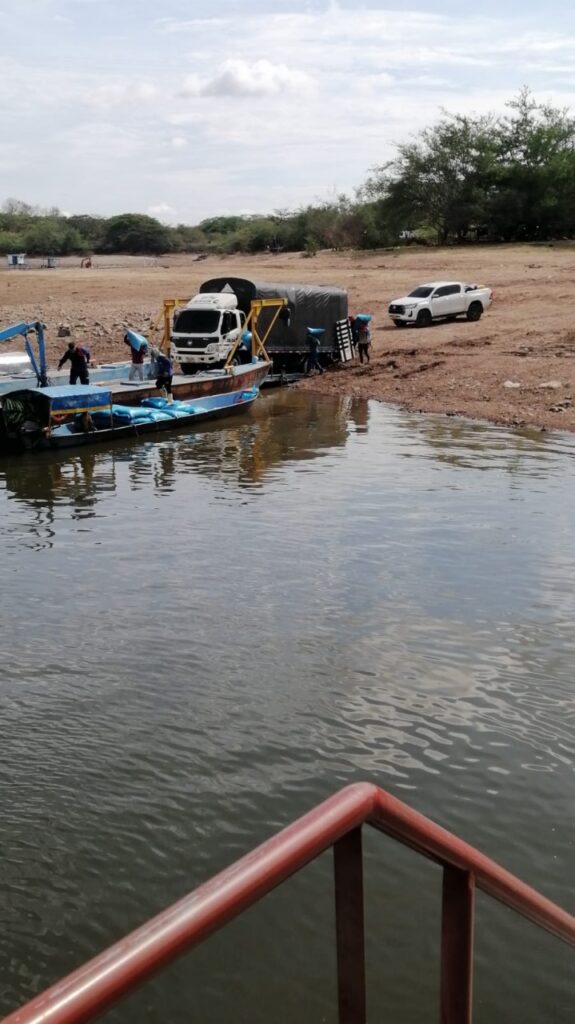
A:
x: 337, y: 822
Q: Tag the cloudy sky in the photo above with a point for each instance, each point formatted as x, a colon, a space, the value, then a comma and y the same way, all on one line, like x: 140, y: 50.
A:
x: 190, y: 108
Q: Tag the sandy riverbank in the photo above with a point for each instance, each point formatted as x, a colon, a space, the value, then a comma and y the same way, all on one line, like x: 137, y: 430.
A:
x: 527, y: 338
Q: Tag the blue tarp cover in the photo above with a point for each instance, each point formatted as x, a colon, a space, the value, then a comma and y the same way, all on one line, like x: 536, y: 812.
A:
x: 74, y: 397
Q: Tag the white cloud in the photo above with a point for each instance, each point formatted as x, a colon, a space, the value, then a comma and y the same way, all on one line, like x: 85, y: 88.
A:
x: 119, y: 93
x: 314, y: 98
x: 239, y: 78
x: 172, y: 25
x: 87, y: 143
x: 163, y: 212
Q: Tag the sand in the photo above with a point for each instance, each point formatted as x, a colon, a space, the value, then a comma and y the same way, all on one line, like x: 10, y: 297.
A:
x: 515, y: 366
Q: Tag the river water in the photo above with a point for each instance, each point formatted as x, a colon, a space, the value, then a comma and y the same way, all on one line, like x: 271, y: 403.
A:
x: 205, y: 635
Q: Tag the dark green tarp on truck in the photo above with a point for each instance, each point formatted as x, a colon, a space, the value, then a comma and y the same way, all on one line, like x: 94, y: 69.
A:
x: 309, y: 306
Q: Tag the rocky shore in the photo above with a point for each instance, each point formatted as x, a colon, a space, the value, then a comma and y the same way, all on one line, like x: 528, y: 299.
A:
x: 515, y: 366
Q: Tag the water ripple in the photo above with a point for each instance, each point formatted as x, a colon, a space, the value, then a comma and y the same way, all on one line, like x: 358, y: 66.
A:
x: 204, y: 636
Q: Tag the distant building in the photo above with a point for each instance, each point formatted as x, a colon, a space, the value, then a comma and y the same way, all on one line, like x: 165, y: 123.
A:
x: 16, y: 259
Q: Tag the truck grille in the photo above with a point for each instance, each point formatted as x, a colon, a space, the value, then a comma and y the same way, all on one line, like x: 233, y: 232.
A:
x: 397, y: 309
x: 196, y: 343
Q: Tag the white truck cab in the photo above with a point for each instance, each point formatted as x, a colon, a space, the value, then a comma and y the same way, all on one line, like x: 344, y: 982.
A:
x: 440, y: 300
x: 204, y: 331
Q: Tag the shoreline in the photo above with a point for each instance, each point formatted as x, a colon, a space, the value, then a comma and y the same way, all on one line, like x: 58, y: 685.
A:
x: 515, y: 367
x: 380, y: 386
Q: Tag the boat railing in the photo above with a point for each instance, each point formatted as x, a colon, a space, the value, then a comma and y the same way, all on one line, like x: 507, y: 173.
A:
x: 337, y: 823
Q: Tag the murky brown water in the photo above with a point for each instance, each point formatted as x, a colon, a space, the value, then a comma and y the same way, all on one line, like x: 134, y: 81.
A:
x: 204, y: 636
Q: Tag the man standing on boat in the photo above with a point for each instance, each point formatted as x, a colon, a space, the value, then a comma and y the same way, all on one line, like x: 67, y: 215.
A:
x: 79, y: 359
x: 137, y: 356
x: 164, y: 370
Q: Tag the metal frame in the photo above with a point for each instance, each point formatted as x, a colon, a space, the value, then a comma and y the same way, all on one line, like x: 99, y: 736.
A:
x: 100, y: 983
x: 22, y: 330
x: 258, y: 343
x: 258, y: 347
x: 166, y: 319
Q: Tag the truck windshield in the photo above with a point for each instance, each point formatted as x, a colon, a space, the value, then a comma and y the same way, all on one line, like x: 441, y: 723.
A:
x: 420, y: 293
x: 197, y: 321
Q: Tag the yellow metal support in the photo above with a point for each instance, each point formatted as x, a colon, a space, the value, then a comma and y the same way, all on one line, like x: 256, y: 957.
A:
x: 251, y: 324
x: 164, y: 323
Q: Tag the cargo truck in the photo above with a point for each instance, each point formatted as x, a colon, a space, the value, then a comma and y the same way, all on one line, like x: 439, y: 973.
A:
x: 206, y: 329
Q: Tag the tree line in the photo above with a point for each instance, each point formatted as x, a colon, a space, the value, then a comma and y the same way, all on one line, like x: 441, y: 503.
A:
x: 468, y: 178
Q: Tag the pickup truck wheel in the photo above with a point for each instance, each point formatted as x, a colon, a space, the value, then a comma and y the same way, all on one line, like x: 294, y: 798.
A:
x: 400, y: 323
x: 474, y: 312
x: 423, y: 318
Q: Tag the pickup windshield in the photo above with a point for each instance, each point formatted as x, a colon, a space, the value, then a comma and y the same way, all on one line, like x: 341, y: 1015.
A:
x: 420, y: 293
x: 197, y: 321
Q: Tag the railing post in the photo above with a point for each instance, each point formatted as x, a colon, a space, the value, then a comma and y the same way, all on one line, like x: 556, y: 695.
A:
x: 348, y: 870
x: 457, y: 946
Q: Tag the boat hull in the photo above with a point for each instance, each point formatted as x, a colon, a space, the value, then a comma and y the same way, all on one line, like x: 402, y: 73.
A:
x: 213, y: 407
x: 199, y: 385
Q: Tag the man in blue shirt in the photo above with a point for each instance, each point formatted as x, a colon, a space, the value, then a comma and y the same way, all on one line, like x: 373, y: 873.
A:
x: 164, y: 371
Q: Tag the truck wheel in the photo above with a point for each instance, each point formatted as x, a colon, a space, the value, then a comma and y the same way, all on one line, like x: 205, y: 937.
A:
x: 188, y: 368
x: 400, y: 323
x: 474, y: 312
x: 423, y: 318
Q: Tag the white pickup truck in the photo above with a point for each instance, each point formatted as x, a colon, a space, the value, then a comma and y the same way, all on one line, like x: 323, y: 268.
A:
x: 440, y: 300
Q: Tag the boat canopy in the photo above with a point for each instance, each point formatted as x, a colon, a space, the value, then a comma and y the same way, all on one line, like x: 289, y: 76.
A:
x: 67, y: 398
x: 74, y: 398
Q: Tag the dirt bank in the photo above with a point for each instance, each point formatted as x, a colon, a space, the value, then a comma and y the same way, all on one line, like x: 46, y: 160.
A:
x: 515, y: 366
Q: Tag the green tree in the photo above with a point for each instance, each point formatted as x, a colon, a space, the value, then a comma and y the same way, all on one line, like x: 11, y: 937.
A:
x: 44, y: 235
x: 136, y: 233
x: 188, y: 239
x: 11, y: 241
x: 533, y: 191
x: 441, y: 179
x: 89, y: 227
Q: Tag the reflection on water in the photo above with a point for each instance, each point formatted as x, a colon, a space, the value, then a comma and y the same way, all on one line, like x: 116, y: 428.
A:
x: 205, y: 634
x: 274, y: 434
x: 455, y: 442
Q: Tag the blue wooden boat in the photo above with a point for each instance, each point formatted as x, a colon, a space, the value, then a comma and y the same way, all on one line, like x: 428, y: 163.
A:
x: 35, y: 419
